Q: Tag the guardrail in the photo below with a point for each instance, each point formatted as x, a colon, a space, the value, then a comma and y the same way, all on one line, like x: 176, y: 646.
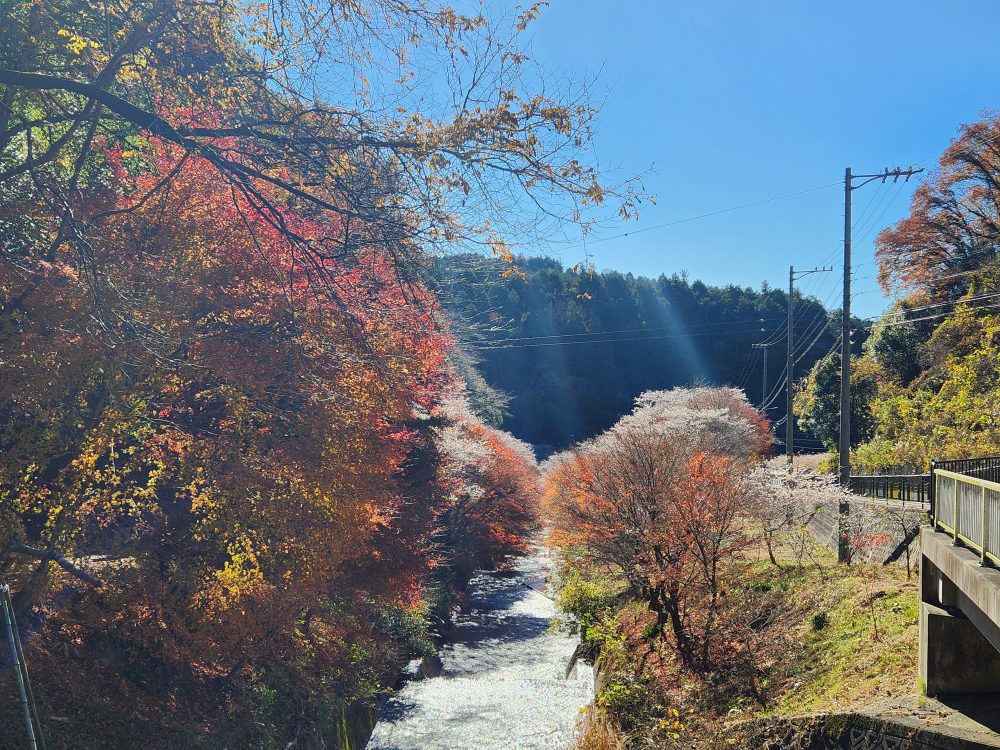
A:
x: 968, y: 508
x: 983, y: 467
x: 905, y: 487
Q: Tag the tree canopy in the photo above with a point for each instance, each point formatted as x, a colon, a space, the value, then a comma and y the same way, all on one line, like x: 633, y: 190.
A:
x: 237, y: 453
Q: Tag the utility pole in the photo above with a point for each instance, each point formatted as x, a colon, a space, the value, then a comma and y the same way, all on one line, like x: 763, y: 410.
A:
x: 844, y: 441
x: 845, y: 327
x: 790, y: 361
x: 845, y: 345
x: 763, y: 387
x: 789, y: 365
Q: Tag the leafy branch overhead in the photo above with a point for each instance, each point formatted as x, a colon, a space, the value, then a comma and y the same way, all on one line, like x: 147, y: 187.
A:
x: 334, y: 106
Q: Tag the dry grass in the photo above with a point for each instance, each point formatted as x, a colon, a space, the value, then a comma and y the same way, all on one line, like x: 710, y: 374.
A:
x: 845, y: 639
x: 598, y: 732
x: 867, y: 650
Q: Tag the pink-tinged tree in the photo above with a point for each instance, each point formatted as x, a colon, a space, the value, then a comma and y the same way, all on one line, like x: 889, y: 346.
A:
x: 493, y: 485
x: 659, y: 499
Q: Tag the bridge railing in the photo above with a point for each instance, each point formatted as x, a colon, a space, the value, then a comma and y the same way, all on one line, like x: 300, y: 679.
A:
x: 968, y: 508
x: 905, y: 487
x: 983, y: 467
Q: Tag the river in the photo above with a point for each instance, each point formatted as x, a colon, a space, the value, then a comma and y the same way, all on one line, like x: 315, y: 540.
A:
x: 502, y: 685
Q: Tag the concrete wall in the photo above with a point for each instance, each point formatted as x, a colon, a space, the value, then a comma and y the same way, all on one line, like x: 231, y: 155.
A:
x: 959, y: 619
x: 849, y: 732
x: 888, y: 519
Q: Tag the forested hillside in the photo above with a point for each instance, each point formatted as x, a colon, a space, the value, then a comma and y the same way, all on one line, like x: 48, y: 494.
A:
x: 573, y: 348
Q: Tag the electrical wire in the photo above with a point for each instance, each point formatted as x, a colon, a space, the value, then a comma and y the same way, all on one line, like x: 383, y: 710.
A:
x: 938, y: 315
x: 747, y: 368
x: 501, y: 342
x: 740, y: 207
x: 612, y: 340
x: 940, y: 304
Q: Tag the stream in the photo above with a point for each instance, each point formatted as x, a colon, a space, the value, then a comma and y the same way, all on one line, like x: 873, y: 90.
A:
x: 502, y: 684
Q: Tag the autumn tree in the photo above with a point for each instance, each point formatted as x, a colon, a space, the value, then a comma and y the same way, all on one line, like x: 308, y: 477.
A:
x: 658, y: 500
x: 335, y: 109
x: 492, y: 483
x: 213, y: 225
x: 954, y: 222
x: 234, y: 437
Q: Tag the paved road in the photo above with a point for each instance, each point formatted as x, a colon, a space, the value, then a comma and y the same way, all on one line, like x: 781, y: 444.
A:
x: 502, y: 686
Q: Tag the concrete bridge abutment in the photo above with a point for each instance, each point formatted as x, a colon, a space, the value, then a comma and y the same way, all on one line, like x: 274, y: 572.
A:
x: 959, y: 619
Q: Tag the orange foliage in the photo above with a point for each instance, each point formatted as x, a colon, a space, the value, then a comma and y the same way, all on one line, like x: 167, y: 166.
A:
x: 953, y: 220
x: 241, y: 427
x: 651, y: 506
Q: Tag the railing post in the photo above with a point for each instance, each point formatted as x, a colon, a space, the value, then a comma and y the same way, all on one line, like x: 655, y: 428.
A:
x: 982, y: 525
x: 930, y: 493
x: 954, y: 515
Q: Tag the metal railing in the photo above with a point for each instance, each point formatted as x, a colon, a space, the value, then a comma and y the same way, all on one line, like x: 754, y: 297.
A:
x: 968, y: 508
x: 905, y: 487
x: 984, y: 467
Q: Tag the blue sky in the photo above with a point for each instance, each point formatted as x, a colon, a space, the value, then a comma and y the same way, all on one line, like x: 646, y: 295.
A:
x: 732, y: 102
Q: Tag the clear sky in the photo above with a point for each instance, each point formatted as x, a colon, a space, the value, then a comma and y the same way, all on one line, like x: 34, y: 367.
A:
x: 732, y: 102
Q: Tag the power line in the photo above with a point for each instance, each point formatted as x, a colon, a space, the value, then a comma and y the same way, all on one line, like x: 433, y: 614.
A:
x: 888, y: 205
x: 938, y: 315
x: 747, y: 368
x: 740, y: 207
x: 939, y: 304
x: 777, y: 390
x: 612, y: 340
x: 501, y: 342
x: 888, y: 198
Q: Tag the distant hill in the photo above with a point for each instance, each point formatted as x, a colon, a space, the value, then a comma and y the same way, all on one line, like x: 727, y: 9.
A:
x: 573, y: 348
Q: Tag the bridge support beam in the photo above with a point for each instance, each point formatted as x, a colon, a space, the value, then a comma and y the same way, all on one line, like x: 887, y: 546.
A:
x: 959, y: 619
x: 954, y: 656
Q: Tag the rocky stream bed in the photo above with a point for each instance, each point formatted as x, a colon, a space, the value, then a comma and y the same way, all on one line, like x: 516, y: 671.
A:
x: 502, y: 682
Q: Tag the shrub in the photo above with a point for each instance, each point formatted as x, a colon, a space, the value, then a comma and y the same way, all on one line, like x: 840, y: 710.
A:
x: 586, y: 600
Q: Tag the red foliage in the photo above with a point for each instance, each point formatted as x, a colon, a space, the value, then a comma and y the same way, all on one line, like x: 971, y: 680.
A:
x: 245, y: 427
x: 953, y: 219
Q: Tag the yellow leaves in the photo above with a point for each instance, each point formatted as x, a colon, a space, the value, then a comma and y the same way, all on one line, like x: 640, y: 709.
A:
x: 595, y: 193
x: 340, y: 164
x: 498, y: 247
x: 75, y: 43
x: 197, y: 490
x: 240, y: 576
x: 672, y: 723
